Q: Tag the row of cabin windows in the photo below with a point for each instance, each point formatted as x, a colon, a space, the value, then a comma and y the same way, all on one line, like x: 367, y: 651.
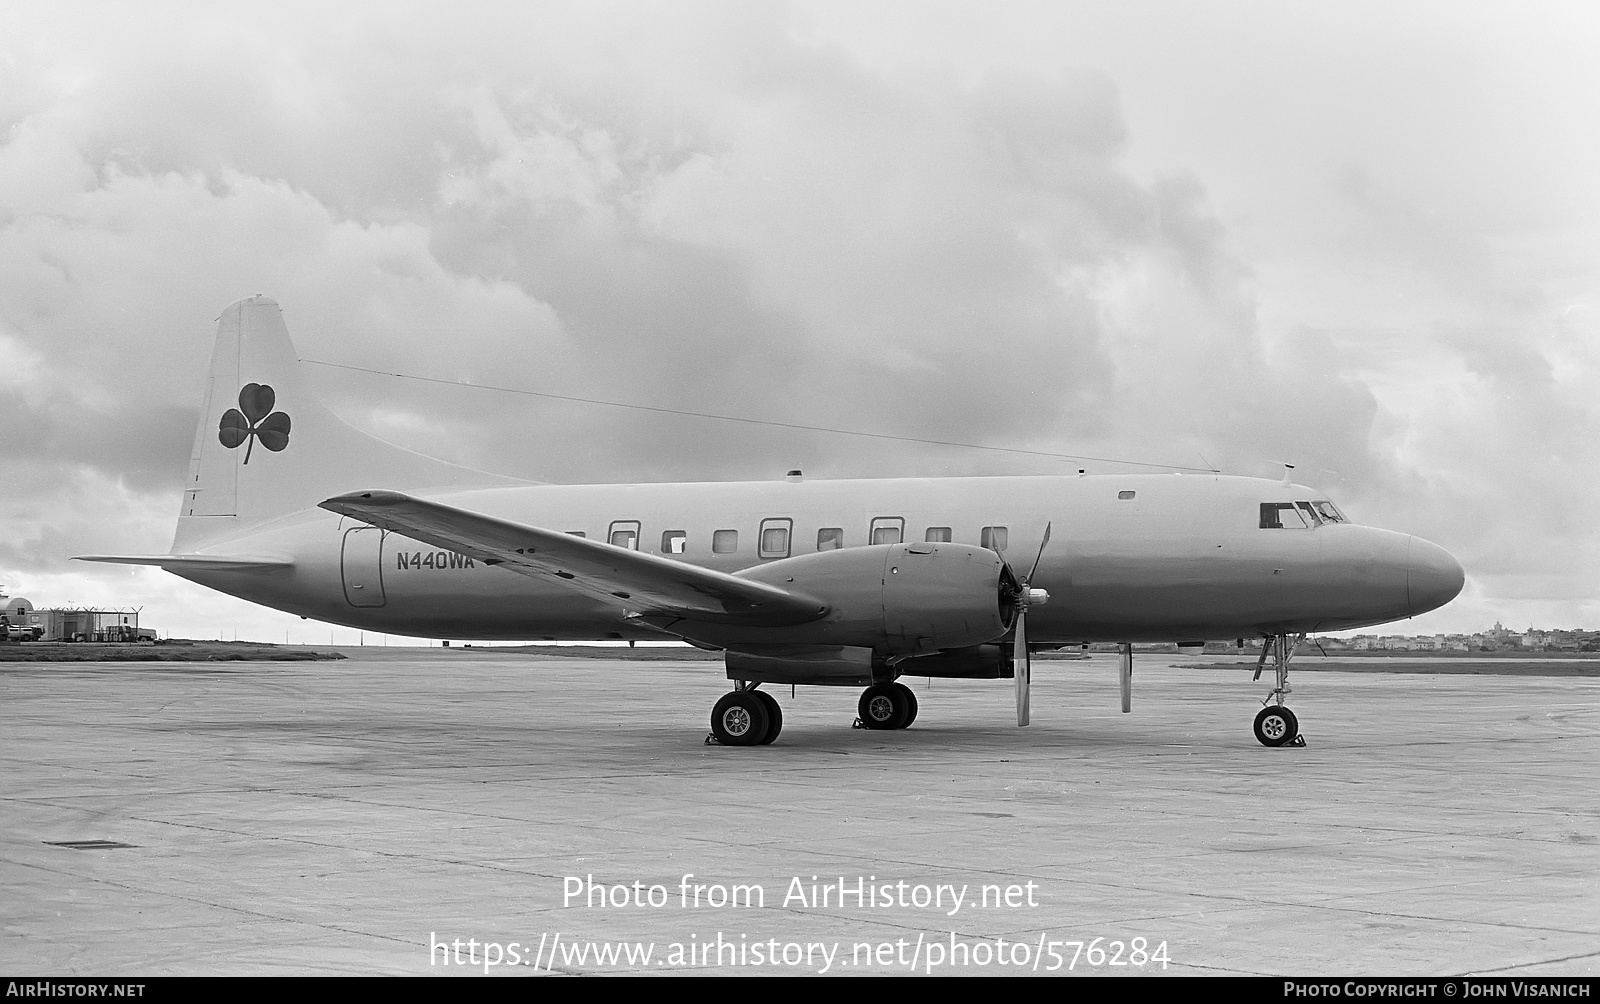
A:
x: 773, y: 538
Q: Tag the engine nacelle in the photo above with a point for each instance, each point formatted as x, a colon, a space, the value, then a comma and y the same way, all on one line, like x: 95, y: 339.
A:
x: 899, y: 599
x: 985, y: 662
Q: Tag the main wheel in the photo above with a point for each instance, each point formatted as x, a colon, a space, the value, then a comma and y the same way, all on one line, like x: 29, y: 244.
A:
x: 1276, y: 726
x: 911, y: 704
x: 883, y: 706
x: 740, y: 719
x: 774, y: 717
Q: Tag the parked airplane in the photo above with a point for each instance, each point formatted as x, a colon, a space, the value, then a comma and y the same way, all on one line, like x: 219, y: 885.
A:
x: 834, y: 583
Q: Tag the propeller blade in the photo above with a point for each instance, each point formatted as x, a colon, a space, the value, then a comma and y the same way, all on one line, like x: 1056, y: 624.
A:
x: 1021, y: 661
x: 1125, y: 675
x: 1039, y: 556
x: 1020, y: 665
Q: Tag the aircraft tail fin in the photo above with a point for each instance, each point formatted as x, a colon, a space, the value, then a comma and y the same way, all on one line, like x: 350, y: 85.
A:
x: 267, y: 447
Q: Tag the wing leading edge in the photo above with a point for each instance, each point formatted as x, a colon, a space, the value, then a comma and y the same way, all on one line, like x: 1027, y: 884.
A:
x: 643, y: 584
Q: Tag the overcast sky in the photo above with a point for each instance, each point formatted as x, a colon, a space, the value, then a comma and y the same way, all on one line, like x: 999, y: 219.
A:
x: 1363, y: 238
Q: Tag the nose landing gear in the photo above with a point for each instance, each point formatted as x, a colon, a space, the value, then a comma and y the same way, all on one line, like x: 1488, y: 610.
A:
x: 1276, y: 725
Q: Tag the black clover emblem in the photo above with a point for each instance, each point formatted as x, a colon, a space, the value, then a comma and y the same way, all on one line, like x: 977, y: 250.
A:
x: 254, y: 419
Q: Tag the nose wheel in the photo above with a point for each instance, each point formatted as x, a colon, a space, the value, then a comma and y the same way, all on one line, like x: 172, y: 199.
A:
x: 1275, y: 724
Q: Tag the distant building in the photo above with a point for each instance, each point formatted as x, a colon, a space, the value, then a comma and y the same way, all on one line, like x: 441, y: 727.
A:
x: 21, y: 621
x: 1496, y: 638
x: 91, y: 624
x: 18, y: 620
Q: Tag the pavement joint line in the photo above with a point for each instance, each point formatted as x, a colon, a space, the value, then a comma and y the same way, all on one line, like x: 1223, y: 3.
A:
x: 1222, y: 897
x: 1403, y: 833
x: 1224, y: 970
x: 1457, y: 884
x: 485, y: 865
x: 285, y: 838
x: 257, y: 914
x: 1391, y: 914
x: 1540, y: 962
x: 1333, y: 907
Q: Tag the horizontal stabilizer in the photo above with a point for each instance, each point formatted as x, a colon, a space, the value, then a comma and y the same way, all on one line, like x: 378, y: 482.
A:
x: 196, y: 562
x: 641, y: 583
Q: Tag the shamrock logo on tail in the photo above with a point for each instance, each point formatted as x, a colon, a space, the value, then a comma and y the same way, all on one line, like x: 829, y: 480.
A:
x: 254, y: 419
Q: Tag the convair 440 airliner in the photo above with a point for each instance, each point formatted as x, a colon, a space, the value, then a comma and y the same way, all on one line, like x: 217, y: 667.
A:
x: 817, y: 582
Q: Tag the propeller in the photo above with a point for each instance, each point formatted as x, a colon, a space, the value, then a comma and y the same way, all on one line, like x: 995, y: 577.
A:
x: 1021, y: 664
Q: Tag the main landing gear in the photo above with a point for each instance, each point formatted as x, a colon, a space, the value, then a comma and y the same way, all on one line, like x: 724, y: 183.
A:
x: 887, y: 706
x: 751, y: 717
x: 1275, y: 724
x: 746, y: 717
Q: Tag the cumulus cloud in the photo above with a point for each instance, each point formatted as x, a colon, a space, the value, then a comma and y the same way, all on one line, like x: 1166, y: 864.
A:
x: 730, y: 208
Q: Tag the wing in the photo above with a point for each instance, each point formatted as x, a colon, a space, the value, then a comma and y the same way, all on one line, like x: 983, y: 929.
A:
x: 644, y: 584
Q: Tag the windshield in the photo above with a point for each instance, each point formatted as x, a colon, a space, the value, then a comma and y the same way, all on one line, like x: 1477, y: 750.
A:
x: 1328, y: 511
x: 1299, y: 515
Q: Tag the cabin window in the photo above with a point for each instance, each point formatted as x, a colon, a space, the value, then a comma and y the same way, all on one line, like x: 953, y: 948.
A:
x: 1282, y: 516
x: 994, y: 538
x: 674, y: 542
x: 1125, y: 495
x: 937, y: 535
x: 887, y: 530
x: 830, y: 538
x: 624, y: 533
x: 774, y: 539
x: 724, y: 541
x: 576, y: 533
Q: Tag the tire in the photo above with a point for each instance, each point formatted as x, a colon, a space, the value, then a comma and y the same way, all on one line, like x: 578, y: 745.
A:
x: 1276, y: 726
x: 883, y: 707
x: 911, y: 704
x: 774, y: 717
x: 740, y: 719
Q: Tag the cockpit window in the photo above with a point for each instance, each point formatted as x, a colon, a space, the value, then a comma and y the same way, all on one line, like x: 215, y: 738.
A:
x: 1299, y: 515
x: 1329, y: 511
x: 1282, y: 516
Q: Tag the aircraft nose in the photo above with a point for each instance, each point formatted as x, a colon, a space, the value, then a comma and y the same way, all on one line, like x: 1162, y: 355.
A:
x: 1433, y: 576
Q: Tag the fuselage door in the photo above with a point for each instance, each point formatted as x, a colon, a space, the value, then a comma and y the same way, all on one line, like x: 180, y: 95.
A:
x: 362, y: 566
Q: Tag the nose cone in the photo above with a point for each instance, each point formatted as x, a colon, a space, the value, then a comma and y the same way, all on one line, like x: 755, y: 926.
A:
x: 1433, y: 577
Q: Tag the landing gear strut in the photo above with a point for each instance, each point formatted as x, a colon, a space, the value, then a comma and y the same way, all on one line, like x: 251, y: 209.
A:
x: 1276, y: 725
x: 746, y: 717
x: 887, y: 706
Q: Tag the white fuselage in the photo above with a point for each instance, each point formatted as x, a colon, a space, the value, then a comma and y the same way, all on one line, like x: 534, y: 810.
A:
x: 1130, y: 558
